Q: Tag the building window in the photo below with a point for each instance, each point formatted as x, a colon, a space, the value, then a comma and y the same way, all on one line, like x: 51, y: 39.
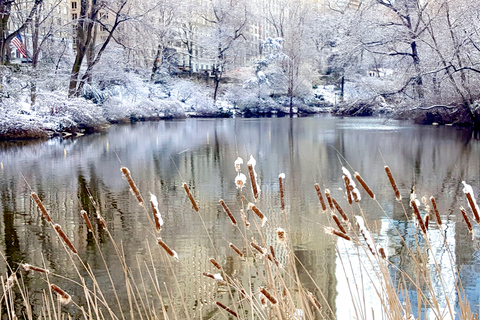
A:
x: 74, y: 16
x: 74, y: 5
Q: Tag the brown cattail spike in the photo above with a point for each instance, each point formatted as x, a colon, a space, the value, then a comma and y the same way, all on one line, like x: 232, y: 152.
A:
x: 267, y: 295
x: 339, y: 224
x: 392, y: 182
x: 28, y: 267
x: 281, y: 235
x: 257, y: 247
x: 187, y: 190
x: 87, y: 220
x: 348, y: 189
x: 427, y: 220
x: 157, y: 216
x: 364, y: 185
x: 167, y: 249
x: 64, y: 237
x: 329, y: 199
x: 62, y: 295
x: 435, y: 210
x: 337, y: 233
x: 467, y: 221
x: 233, y: 313
x: 133, y: 186
x: 253, y: 176
x: 259, y: 213
x: 236, y: 250
x: 413, y: 203
x: 382, y: 253
x: 340, y: 210
x: 473, y: 206
x: 228, y: 212
x: 41, y: 207
x: 280, y: 185
x: 320, y: 196
x: 215, y: 263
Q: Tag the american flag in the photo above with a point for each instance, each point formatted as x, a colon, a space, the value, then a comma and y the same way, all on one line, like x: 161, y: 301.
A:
x: 18, y: 44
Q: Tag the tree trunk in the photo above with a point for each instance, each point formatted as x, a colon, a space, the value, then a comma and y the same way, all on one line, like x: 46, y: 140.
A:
x: 156, y: 62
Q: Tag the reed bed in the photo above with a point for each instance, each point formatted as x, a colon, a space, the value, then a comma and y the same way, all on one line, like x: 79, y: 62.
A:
x: 377, y: 287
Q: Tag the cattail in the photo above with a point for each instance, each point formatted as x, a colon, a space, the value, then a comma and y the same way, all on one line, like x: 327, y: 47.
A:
x: 382, y: 253
x: 238, y: 162
x: 314, y: 300
x: 467, y: 221
x: 337, y: 233
x: 268, y: 295
x: 253, y: 176
x: 281, y: 235
x: 272, y: 252
x: 156, y: 213
x: 187, y: 190
x: 259, y: 213
x: 215, y: 263
x: 228, y: 212
x: 236, y: 250
x: 348, y: 191
x: 244, y: 218
x: 87, y: 220
x: 280, y: 184
x: 468, y: 190
x: 339, y: 224
x: 427, y: 220
x: 170, y: 252
x: 41, y: 207
x: 435, y: 210
x: 133, y: 186
x: 320, y: 196
x: 64, y: 237
x: 233, y: 313
x: 366, y: 234
x: 216, y: 276
x: 94, y: 204
x: 413, y: 203
x: 240, y: 180
x: 329, y: 199
x: 340, y: 210
x: 64, y: 297
x: 28, y: 267
x: 257, y: 247
x: 364, y: 185
x: 392, y: 182
x: 102, y: 222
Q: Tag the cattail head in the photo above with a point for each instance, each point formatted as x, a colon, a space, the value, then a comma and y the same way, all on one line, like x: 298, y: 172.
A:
x: 339, y: 209
x: 382, y: 253
x: 221, y: 305
x: 393, y: 183
x: 364, y: 185
x: 467, y: 221
x: 329, y: 199
x: 472, y: 202
x: 64, y: 237
x: 156, y: 213
x: 267, y: 295
x: 338, y: 222
x: 253, y: 176
x: 231, y: 245
x: 28, y: 267
x: 259, y: 213
x: 190, y: 196
x: 238, y: 162
x: 167, y: 249
x: 87, y: 220
x: 281, y: 177
x: 240, y: 180
x: 320, y: 196
x: 337, y: 233
x: 414, y: 205
x: 281, y: 235
x: 133, y: 186
x: 215, y: 263
x: 435, y: 210
x: 64, y: 297
x: 228, y: 212
x: 257, y: 247
x: 41, y: 207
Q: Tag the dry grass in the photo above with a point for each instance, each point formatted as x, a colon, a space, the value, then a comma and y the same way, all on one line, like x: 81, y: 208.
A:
x: 269, y: 255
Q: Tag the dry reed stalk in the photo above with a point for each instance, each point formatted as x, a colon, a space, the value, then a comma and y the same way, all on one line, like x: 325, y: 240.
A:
x: 339, y: 209
x: 259, y: 213
x: 253, y: 181
x: 467, y: 221
x: 435, y: 210
x: 348, y: 189
x: 337, y: 233
x: 10, y: 282
x: 267, y: 295
x: 320, y: 196
x: 233, y: 313
x: 329, y: 199
x: 167, y: 249
x: 236, y: 250
x: 64, y: 237
x: 133, y: 186
x: 281, y: 235
x: 41, y: 207
x: 64, y: 297
x: 392, y: 182
x: 382, y: 253
x: 215, y: 263
x: 257, y: 247
x: 339, y: 224
x: 28, y: 267
x: 280, y: 184
x: 413, y: 203
x: 102, y: 222
x: 364, y: 185
x: 87, y: 220
x: 228, y: 212
x: 244, y: 218
x: 187, y: 190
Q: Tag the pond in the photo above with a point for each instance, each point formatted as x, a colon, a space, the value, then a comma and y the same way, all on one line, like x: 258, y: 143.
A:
x: 67, y: 173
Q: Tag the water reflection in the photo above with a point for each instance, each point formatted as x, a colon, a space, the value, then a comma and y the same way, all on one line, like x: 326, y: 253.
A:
x: 163, y: 155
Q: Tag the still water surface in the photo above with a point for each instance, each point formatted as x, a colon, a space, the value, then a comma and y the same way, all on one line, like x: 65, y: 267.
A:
x: 163, y: 155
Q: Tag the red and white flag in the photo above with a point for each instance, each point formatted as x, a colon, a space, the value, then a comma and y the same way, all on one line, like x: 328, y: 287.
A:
x: 18, y: 44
